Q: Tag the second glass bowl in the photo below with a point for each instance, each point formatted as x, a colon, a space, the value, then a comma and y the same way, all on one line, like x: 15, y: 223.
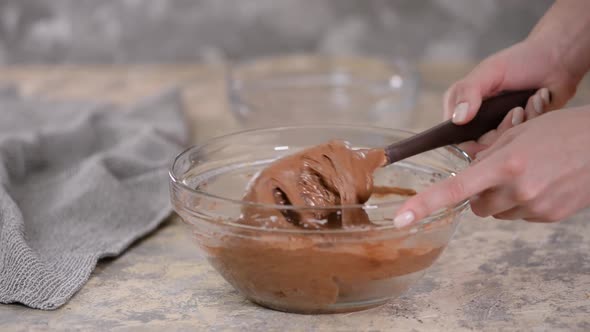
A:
x: 306, y: 89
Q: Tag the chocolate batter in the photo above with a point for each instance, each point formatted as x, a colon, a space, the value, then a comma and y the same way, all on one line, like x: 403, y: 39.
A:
x: 302, y: 274
x: 309, y: 273
x: 386, y: 191
x: 330, y: 174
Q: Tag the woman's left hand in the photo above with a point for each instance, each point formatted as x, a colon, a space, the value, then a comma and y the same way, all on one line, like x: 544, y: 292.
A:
x: 537, y: 171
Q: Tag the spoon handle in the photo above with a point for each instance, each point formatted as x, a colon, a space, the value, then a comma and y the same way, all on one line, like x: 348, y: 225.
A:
x: 490, y: 115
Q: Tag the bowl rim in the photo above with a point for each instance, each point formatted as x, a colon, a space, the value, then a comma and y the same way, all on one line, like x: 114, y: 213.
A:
x: 175, y: 181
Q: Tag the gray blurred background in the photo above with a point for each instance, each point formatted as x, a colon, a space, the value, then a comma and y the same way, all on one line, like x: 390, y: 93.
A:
x: 154, y: 31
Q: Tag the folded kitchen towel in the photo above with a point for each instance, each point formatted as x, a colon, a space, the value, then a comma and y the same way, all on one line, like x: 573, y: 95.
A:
x: 79, y: 181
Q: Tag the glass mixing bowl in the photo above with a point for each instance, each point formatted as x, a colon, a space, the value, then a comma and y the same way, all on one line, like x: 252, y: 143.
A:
x: 312, y: 89
x: 304, y: 270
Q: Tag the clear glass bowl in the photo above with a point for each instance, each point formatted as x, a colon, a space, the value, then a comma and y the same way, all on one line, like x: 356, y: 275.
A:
x: 310, y: 271
x: 306, y: 89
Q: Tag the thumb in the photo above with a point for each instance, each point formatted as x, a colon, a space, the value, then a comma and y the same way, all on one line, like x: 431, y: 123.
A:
x: 463, y: 102
x: 447, y: 193
x: 463, y: 99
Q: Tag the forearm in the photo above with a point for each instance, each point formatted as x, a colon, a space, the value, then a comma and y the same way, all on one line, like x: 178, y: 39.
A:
x: 565, y: 29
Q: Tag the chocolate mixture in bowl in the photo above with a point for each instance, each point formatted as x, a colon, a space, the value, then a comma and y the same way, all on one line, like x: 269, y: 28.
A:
x: 329, y: 174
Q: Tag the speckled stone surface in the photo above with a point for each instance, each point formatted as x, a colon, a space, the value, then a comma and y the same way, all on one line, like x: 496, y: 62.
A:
x: 495, y: 275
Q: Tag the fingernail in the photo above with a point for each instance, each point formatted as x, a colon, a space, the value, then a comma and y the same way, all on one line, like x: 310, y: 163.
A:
x: 517, y: 116
x: 404, y: 219
x: 537, y: 104
x: 460, y: 113
x: 545, y: 95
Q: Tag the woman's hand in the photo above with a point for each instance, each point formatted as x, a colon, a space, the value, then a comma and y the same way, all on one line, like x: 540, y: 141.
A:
x: 537, y: 171
x: 526, y: 65
x: 529, y: 64
x: 555, y: 56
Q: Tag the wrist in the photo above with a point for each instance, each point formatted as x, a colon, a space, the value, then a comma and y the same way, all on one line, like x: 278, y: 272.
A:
x: 558, y: 69
x: 563, y: 35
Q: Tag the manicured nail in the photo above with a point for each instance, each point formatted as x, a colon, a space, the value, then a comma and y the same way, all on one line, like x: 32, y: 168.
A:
x: 544, y: 92
x: 517, y: 116
x: 460, y: 113
x: 537, y: 104
x: 404, y: 219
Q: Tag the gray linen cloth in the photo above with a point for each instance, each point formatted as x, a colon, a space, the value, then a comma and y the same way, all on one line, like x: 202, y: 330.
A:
x: 79, y: 181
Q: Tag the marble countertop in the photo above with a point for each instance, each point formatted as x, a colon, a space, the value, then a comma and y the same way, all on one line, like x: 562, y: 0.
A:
x: 495, y: 275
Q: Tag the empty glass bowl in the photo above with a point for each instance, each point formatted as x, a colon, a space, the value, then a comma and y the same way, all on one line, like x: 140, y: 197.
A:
x: 304, y: 270
x: 312, y: 89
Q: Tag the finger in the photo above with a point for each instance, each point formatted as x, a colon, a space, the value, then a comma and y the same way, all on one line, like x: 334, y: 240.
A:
x: 529, y: 111
x: 516, y: 213
x: 447, y: 111
x: 545, y: 97
x: 489, y: 138
x: 524, y: 213
x: 560, y: 93
x: 464, y: 98
x: 521, y: 213
x: 556, y: 204
x: 492, y: 201
x: 551, y: 205
x: 472, y: 148
x: 513, y: 118
x: 492, y: 149
x: 534, y: 106
x: 473, y: 180
x: 483, y: 155
x: 465, y: 102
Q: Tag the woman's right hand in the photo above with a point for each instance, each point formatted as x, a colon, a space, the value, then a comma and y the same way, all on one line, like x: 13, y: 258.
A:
x: 528, y: 64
